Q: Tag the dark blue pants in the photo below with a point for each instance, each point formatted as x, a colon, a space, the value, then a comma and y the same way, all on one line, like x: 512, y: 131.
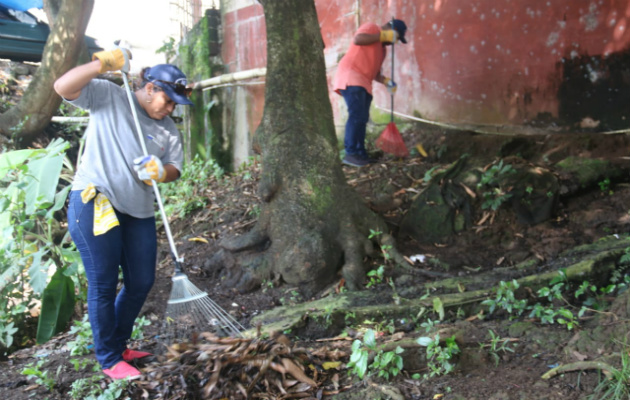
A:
x: 131, y: 246
x: 358, y: 101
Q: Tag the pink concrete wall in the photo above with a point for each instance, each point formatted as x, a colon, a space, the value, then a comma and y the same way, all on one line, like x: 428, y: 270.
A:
x: 467, y: 61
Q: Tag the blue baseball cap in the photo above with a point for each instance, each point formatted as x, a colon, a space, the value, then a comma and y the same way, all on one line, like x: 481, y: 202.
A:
x: 400, y: 27
x: 172, y: 80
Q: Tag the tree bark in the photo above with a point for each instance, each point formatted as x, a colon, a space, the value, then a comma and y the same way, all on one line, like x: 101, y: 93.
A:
x: 312, y: 223
x: 25, y: 121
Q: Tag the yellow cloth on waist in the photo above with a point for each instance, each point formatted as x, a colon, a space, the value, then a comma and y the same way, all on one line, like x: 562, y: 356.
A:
x: 104, y: 214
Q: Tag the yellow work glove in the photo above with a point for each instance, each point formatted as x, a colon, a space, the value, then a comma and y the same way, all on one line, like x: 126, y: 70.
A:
x: 390, y: 85
x: 389, y: 36
x: 113, y: 60
x: 149, y: 168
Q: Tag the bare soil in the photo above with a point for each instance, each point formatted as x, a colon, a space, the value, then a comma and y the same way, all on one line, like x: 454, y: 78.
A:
x: 583, y: 218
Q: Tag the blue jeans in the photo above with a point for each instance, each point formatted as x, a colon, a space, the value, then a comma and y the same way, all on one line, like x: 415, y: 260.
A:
x: 358, y: 101
x: 131, y: 246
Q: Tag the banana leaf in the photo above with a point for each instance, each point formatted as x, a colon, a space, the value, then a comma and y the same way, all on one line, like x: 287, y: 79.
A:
x: 57, y: 307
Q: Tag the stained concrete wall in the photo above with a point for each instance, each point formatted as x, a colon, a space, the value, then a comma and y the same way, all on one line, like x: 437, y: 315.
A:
x: 502, y: 62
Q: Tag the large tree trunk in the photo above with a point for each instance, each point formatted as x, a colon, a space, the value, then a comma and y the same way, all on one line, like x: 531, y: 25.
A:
x: 312, y: 224
x: 32, y: 114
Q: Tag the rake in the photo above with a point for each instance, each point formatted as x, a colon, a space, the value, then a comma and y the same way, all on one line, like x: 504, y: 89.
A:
x: 188, y: 306
x: 391, y: 141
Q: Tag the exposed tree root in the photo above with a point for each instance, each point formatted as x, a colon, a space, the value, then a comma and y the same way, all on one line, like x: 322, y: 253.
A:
x: 607, y: 369
x: 590, y: 268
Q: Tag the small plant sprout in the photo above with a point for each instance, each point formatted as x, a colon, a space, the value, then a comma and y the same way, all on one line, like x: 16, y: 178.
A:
x: 494, y: 195
x: 385, y: 364
x: 83, y: 331
x: 439, y: 357
x: 139, y: 324
x: 374, y: 234
x: 388, y: 363
x: 350, y: 316
x: 586, y: 288
x: 505, y: 299
x: 497, y: 345
x: 358, y: 364
x: 34, y: 372
x: 328, y: 314
x: 428, y: 325
x: 604, y: 186
x: 375, y: 276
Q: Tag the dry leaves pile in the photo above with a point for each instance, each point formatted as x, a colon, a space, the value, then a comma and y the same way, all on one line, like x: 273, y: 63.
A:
x: 237, y: 368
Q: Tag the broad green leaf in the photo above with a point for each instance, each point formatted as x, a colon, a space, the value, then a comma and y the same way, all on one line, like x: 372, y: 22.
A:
x: 60, y: 201
x: 38, y: 271
x: 12, y: 159
x: 57, y: 306
x: 11, y: 194
x: 424, y: 341
x: 8, y: 276
x: 362, y: 364
x: 71, y: 270
x: 369, y: 339
x: 43, y: 177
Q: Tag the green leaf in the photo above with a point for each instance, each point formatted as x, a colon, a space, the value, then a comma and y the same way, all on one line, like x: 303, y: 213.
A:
x: 42, y: 182
x: 12, y: 159
x: 424, y: 341
x: 8, y: 276
x: 362, y: 364
x: 438, y: 307
x: 387, y: 357
x: 38, y: 271
x: 369, y: 339
x: 60, y: 201
x: 57, y: 306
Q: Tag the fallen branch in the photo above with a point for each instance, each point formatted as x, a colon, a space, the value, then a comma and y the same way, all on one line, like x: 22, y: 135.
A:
x: 607, y: 369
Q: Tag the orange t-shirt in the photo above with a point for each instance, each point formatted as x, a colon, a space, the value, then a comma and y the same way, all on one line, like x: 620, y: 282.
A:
x: 361, y: 64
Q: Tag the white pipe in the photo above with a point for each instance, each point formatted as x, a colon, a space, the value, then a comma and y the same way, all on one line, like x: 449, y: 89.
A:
x: 234, y: 84
x: 485, y: 129
x: 70, y: 120
x: 233, y: 77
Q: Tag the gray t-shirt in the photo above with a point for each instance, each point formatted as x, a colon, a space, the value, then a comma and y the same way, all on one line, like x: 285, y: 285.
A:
x: 112, y: 144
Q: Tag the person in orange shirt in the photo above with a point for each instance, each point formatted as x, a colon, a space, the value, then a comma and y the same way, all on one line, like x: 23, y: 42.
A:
x: 357, y: 69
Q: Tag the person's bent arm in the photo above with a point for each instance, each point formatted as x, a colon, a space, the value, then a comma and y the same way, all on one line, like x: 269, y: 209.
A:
x: 70, y: 84
x: 172, y: 173
x: 364, y: 39
x: 384, y: 36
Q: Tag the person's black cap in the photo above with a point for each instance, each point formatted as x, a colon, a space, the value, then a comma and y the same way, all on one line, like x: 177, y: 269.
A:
x: 172, y: 80
x: 400, y: 27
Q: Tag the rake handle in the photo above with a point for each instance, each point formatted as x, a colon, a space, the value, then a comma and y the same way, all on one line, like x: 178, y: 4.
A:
x: 178, y: 265
x: 156, y: 191
x: 392, y: 94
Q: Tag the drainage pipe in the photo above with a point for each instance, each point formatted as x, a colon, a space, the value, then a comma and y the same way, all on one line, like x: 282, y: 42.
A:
x: 208, y: 84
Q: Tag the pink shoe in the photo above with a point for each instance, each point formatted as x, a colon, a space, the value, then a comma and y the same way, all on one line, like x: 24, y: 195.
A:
x: 122, y: 370
x: 131, y: 355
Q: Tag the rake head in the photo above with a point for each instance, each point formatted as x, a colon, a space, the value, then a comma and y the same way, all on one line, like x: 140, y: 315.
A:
x: 391, y: 141
x: 190, y: 308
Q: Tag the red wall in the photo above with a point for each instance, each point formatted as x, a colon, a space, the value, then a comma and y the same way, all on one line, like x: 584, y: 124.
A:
x: 466, y: 61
